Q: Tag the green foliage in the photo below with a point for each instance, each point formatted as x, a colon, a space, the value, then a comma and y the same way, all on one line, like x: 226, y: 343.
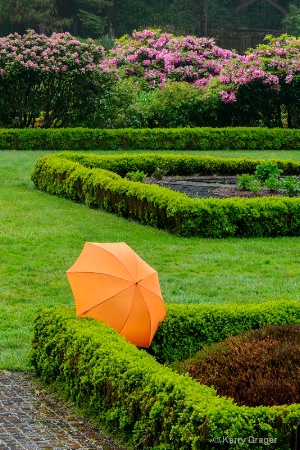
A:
x: 40, y: 78
x: 156, y: 139
x: 255, y: 369
x: 169, y: 15
x: 266, y: 170
x: 115, y: 108
x: 261, y: 15
x: 292, y: 20
x: 131, y: 394
x: 268, y: 174
x: 245, y: 181
x: 90, y: 179
x: 273, y: 183
x: 248, y: 182
x: 90, y: 13
x: 43, y: 16
x: 176, y: 104
x: 188, y: 328
x: 107, y: 42
x: 255, y: 186
x: 136, y: 176
x: 159, y: 173
x: 291, y: 186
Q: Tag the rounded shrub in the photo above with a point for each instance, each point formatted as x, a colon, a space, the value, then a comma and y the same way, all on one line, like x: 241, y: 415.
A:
x: 49, y: 81
x: 260, y: 367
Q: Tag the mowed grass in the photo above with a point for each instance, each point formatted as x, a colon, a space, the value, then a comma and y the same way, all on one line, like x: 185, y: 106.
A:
x: 42, y: 235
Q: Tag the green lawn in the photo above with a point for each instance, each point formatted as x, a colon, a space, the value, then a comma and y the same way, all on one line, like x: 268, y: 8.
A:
x: 41, y: 236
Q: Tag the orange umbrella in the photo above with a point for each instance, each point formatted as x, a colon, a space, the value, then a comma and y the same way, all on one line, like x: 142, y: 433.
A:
x: 111, y: 283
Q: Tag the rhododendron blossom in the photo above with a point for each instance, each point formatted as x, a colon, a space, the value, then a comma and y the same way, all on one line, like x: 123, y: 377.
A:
x: 276, y: 65
x: 160, y: 57
x: 46, y: 75
x: 40, y: 51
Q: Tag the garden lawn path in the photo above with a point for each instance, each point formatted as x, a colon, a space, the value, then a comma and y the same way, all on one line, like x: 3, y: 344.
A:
x: 42, y: 235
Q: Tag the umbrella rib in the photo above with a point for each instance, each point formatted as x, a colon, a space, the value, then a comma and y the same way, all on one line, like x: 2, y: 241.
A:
x: 146, y: 308
x: 149, y: 290
x: 107, y: 251
x: 101, y: 273
x: 104, y: 301
x: 128, y: 315
x: 131, y: 309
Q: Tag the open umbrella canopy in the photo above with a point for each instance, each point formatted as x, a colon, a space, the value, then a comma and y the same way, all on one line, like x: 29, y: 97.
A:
x: 111, y: 283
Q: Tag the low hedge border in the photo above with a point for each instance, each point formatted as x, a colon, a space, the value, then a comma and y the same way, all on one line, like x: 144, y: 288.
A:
x: 150, y: 139
x: 175, y: 164
x: 145, y: 404
x: 187, y: 328
x: 67, y: 175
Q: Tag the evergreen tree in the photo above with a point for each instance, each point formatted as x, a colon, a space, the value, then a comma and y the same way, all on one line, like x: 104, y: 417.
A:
x: 41, y: 15
x: 292, y: 20
x: 93, y: 16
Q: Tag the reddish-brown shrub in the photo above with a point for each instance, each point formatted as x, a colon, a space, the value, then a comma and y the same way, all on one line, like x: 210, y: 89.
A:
x: 261, y: 367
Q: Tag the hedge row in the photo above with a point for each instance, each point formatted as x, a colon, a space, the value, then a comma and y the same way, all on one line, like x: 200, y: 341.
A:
x: 150, y: 139
x: 187, y: 328
x: 145, y: 404
x: 164, y: 208
x: 175, y: 164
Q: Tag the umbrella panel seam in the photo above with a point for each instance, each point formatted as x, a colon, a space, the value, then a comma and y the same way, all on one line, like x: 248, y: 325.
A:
x: 109, y: 298
x: 122, y: 264
x: 131, y: 310
x: 100, y: 273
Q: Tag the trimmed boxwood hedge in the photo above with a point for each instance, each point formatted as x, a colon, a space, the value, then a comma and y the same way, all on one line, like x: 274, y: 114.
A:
x: 145, y: 404
x: 187, y: 328
x: 150, y: 139
x: 175, y: 164
x: 93, y: 180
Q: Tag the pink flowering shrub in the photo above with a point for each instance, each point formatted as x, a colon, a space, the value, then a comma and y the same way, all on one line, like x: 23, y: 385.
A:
x: 59, y: 81
x: 260, y: 88
x: 256, y: 89
x: 160, y: 57
x: 264, y: 83
x: 55, y: 77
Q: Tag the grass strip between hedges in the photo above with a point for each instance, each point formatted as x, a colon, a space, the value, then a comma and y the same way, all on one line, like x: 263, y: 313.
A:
x: 67, y: 175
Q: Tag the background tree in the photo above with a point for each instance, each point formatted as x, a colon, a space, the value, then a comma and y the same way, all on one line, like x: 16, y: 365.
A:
x: 44, y: 16
x: 292, y: 20
x: 93, y: 15
x: 261, y: 15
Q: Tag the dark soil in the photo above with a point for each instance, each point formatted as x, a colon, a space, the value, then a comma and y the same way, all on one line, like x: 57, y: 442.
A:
x: 209, y: 186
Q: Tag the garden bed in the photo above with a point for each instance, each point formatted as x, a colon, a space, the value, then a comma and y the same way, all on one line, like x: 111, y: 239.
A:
x: 145, y: 403
x: 207, y: 186
x: 98, y: 182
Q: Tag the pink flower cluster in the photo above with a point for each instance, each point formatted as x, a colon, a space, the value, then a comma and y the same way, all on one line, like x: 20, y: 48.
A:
x: 160, y: 57
x: 275, y: 65
x: 59, y: 53
x: 228, y: 96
